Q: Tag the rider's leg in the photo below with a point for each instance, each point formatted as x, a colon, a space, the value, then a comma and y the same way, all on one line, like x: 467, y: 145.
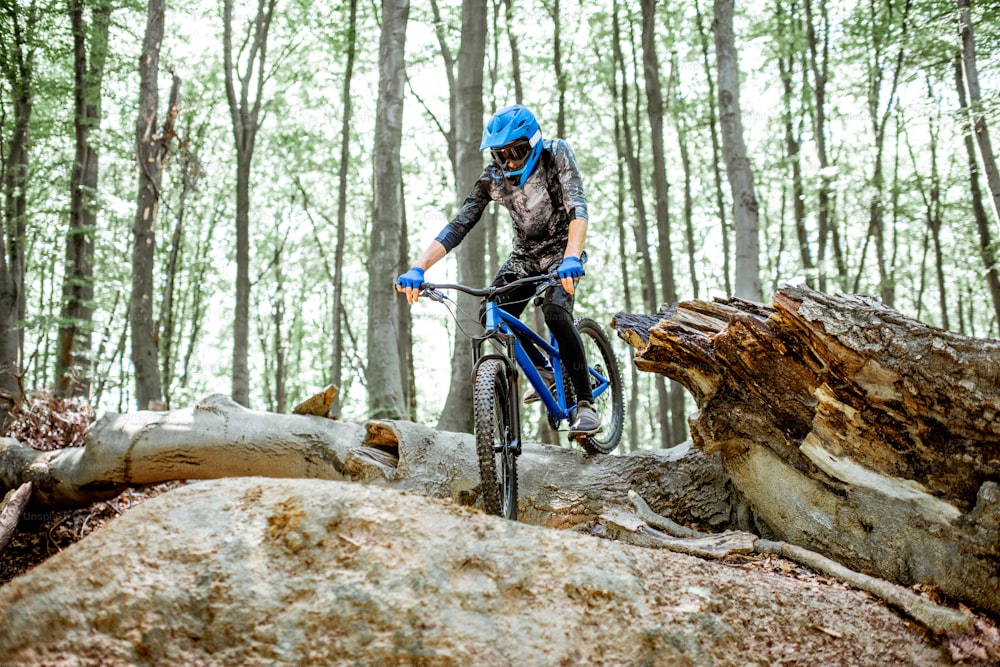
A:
x: 560, y: 322
x: 558, y: 310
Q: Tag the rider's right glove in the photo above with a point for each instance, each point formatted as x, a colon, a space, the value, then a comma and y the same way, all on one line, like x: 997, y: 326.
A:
x: 412, y: 279
x: 571, y: 267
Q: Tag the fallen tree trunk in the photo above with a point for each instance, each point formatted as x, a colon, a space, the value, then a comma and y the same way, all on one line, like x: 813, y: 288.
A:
x: 851, y: 429
x: 218, y: 438
x: 11, y: 509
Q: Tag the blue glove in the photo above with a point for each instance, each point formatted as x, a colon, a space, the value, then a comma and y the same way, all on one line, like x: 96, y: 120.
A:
x: 412, y: 279
x: 571, y: 267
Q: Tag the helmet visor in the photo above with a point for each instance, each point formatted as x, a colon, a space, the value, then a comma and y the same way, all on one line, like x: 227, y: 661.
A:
x: 512, y: 156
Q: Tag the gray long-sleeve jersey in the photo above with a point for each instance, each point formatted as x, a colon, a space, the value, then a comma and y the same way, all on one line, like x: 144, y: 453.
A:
x: 540, y: 210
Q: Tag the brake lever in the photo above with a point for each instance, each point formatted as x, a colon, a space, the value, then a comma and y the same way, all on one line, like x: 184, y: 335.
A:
x: 434, y: 295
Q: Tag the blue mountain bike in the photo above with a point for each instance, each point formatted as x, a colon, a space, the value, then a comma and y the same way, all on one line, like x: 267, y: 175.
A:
x: 498, y: 357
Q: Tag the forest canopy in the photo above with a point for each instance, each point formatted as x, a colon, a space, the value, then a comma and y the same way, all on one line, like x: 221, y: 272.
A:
x: 260, y: 136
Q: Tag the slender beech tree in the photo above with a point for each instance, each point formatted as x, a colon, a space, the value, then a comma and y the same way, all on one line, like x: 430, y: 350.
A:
x: 90, y: 51
x: 18, y: 41
x: 977, y: 115
x: 558, y: 66
x: 152, y: 144
x: 880, y: 25
x: 819, y: 66
x: 713, y: 127
x: 737, y: 165
x: 624, y: 266
x: 337, y: 367
x: 640, y: 227
x: 465, y: 81
x: 385, y: 369
x: 986, y: 249
x: 167, y: 324
x: 656, y: 107
x: 246, y: 118
x: 788, y: 53
x: 515, y: 52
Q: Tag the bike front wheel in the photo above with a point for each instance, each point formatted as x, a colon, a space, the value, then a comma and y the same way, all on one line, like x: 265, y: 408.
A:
x: 496, y: 436
x: 608, y: 400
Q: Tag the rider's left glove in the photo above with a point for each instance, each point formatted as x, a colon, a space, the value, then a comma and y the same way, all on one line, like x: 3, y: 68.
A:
x: 571, y: 267
x: 412, y: 279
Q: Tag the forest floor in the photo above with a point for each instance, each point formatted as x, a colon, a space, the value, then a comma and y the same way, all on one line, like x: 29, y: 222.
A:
x: 41, y: 535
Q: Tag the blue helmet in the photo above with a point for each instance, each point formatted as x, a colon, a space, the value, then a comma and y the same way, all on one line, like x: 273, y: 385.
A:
x: 515, y: 140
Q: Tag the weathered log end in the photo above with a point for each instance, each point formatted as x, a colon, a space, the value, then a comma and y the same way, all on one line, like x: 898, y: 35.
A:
x: 319, y: 404
x: 11, y: 508
x: 851, y: 429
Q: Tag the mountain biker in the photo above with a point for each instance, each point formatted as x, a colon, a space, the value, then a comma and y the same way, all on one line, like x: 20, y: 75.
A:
x: 539, y: 184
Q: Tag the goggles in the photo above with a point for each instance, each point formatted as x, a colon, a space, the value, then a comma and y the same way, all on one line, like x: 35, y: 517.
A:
x: 513, y: 155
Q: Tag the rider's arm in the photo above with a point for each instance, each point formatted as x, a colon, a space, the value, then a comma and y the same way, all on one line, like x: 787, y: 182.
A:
x: 434, y: 253
x: 574, y: 247
x: 470, y: 213
x: 575, y: 202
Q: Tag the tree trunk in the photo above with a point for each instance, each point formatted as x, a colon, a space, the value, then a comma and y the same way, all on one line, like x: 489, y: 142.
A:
x: 336, y: 370
x: 720, y: 199
x: 166, y: 323
x: 819, y: 65
x: 640, y: 228
x: 986, y: 250
x: 624, y: 265
x: 15, y: 172
x: 152, y: 145
x: 850, y: 429
x: 977, y: 114
x: 655, y: 109
x: 245, y: 113
x: 793, y: 150
x: 386, y: 396
x: 515, y: 52
x: 466, y: 96
x: 734, y: 149
x: 73, y: 357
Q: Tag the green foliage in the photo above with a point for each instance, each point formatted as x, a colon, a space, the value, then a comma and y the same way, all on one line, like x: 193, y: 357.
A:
x: 297, y: 165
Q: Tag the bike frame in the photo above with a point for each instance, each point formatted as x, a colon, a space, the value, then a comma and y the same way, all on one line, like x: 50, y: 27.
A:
x: 501, y: 324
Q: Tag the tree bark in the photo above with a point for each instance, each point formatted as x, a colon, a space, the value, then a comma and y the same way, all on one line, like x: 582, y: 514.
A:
x: 245, y: 114
x: 977, y: 115
x: 19, y: 55
x: 639, y: 227
x: 217, y: 438
x: 337, y: 366
x: 720, y: 200
x: 11, y: 509
x: 385, y: 371
x: 986, y: 250
x: 793, y: 149
x: 466, y: 98
x: 73, y: 357
x: 655, y: 109
x: 747, y: 285
x: 151, y: 151
x: 850, y: 429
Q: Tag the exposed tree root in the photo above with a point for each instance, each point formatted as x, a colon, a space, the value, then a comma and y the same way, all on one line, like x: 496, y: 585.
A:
x: 644, y: 529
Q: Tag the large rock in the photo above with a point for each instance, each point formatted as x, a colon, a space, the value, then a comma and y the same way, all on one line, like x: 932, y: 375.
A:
x: 258, y: 571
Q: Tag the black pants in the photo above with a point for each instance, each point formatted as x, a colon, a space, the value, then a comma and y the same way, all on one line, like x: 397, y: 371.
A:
x: 557, y: 307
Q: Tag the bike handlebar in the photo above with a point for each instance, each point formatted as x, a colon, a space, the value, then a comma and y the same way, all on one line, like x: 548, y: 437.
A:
x: 430, y: 290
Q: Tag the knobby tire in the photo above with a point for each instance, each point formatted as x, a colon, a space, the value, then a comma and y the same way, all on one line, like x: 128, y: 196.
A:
x: 494, y: 432
x: 611, y: 404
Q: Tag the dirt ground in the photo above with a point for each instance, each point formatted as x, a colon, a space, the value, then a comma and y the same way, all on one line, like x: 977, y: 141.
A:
x: 795, y: 591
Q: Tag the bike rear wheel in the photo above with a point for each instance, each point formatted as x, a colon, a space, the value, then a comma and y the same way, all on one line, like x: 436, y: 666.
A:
x: 610, y: 405
x: 495, y: 439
